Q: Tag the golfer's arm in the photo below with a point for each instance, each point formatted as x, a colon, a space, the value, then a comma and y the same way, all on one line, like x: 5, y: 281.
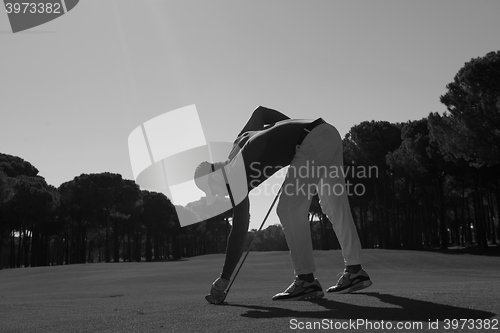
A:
x: 237, y: 237
x: 262, y: 116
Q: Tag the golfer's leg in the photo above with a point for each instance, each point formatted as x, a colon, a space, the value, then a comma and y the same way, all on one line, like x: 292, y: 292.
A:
x: 293, y: 209
x: 334, y: 201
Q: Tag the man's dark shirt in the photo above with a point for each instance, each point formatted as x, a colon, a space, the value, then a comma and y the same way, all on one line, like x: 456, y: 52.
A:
x: 268, y: 150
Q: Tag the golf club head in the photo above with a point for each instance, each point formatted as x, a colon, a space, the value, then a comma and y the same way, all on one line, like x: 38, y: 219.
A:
x: 211, y: 300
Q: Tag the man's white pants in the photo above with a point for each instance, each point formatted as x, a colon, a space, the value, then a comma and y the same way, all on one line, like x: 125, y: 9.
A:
x: 317, y: 165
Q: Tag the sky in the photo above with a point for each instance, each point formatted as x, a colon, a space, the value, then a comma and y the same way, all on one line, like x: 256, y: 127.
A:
x: 73, y: 89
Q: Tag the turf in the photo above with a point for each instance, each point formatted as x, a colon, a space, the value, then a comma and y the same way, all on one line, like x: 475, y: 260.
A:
x: 409, y: 286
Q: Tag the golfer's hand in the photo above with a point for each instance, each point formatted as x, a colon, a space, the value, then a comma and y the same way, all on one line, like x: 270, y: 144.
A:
x: 218, y: 288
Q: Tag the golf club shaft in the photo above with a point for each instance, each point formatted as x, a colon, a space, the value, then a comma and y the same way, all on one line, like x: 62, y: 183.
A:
x: 250, y: 247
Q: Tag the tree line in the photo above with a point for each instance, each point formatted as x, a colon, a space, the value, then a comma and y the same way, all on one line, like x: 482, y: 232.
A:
x: 437, y: 184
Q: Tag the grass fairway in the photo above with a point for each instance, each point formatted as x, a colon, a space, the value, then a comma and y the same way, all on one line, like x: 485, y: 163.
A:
x: 408, y: 286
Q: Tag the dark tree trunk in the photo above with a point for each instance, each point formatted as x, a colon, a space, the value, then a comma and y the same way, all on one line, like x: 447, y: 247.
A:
x: 107, y: 256
x: 443, y: 231
x: 129, y: 241
x: 90, y: 257
x: 26, y: 248
x: 83, y: 242
x: 12, y: 251
x: 1, y: 248
x: 116, y: 242
x: 491, y: 218
x: 481, y: 227
x: 138, y: 243
x: 498, y: 206
x: 176, y: 245
x: 20, y: 249
x: 156, y: 246
x: 324, y: 231
x: 149, y: 254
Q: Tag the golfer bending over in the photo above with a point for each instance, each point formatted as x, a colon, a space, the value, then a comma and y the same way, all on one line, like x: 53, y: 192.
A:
x: 268, y: 142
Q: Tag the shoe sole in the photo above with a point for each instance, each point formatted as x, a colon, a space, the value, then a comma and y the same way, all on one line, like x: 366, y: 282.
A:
x: 359, y: 286
x: 308, y: 297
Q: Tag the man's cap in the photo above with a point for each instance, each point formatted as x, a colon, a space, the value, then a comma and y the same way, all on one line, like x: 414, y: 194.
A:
x: 203, y: 171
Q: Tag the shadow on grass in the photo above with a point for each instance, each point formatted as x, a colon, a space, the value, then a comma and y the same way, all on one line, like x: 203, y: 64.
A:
x: 407, y: 310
